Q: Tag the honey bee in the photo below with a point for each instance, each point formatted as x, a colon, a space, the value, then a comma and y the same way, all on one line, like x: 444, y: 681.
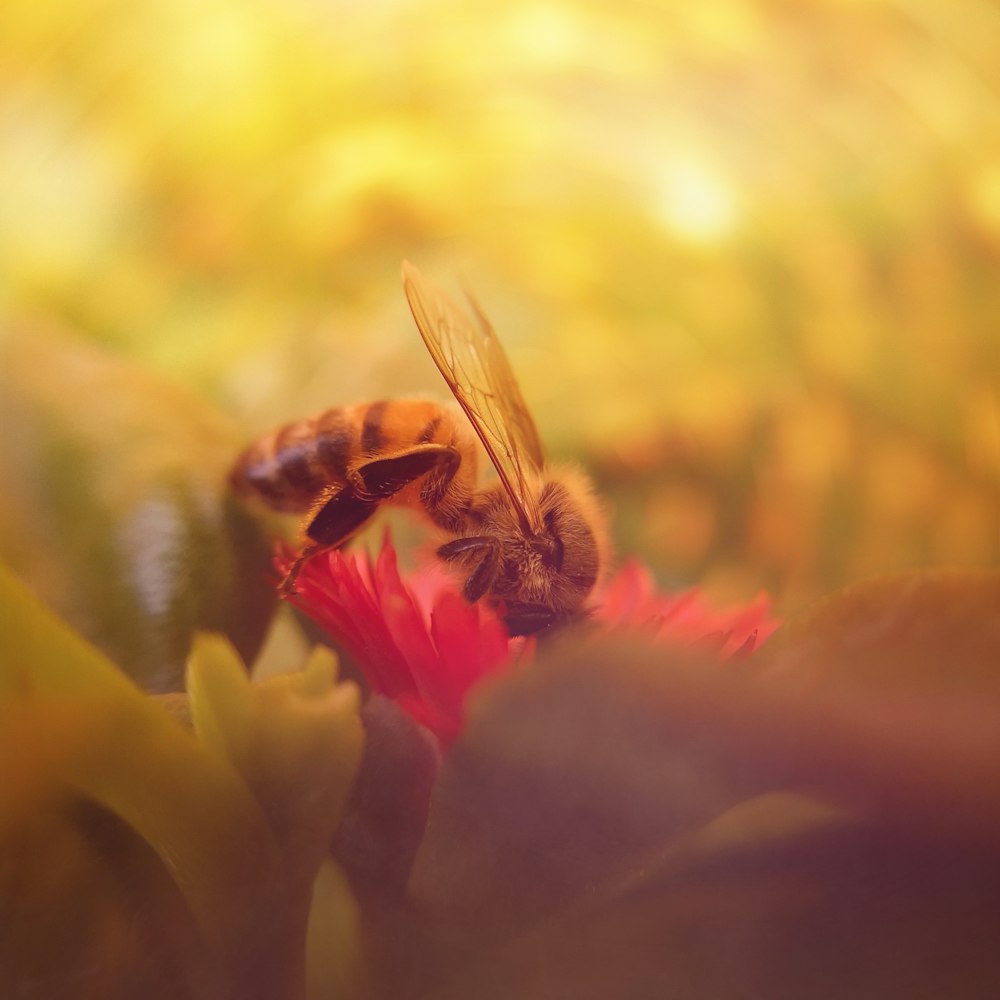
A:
x: 532, y: 543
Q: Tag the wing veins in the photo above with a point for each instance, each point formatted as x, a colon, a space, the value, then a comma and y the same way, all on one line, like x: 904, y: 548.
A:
x: 473, y: 364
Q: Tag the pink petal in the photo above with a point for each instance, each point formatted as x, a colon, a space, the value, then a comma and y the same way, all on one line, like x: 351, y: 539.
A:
x: 420, y: 642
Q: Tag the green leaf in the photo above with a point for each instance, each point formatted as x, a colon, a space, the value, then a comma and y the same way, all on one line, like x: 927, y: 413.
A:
x: 296, y: 738
x: 334, y: 966
x: 100, y: 740
x: 89, y: 764
x: 114, y: 506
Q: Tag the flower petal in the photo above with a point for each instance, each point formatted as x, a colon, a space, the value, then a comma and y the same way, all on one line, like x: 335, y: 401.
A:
x: 421, y: 643
x: 417, y: 640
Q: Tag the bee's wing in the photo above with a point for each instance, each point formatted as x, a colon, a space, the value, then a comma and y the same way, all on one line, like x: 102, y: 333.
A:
x: 477, y: 371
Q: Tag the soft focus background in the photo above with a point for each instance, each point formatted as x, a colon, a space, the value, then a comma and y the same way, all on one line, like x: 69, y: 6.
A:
x: 744, y: 256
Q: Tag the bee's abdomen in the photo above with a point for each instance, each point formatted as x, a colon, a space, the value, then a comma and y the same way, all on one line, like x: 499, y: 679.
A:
x: 289, y: 468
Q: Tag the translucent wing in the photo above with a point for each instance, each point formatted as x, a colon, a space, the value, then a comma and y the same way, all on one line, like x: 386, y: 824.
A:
x: 479, y: 375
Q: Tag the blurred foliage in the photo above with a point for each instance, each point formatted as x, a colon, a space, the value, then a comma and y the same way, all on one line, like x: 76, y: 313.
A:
x: 138, y: 860
x: 757, y: 241
x: 114, y: 506
x: 820, y: 820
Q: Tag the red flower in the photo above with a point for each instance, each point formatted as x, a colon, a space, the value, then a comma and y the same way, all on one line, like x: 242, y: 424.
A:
x: 418, y: 641
x: 630, y: 599
x: 421, y: 643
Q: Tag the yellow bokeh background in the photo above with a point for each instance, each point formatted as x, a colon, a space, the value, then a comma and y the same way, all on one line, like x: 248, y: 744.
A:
x: 745, y: 257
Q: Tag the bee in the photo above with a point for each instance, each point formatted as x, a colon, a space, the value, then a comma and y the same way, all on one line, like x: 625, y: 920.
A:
x: 532, y: 542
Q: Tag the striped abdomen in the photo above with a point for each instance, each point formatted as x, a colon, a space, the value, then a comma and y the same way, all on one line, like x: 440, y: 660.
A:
x: 290, y: 468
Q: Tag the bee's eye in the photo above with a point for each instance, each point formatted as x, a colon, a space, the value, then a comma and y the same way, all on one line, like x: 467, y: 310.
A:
x: 554, y: 551
x: 558, y: 552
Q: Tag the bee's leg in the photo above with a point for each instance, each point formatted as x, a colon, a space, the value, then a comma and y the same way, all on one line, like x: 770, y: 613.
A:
x: 287, y: 586
x: 487, y: 568
x: 447, y: 496
x: 337, y: 515
x: 380, y: 478
x: 342, y: 510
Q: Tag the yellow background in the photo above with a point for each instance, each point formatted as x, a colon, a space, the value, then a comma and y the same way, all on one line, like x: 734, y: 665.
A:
x: 744, y: 256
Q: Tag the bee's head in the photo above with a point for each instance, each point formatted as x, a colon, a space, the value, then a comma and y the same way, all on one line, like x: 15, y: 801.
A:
x: 543, y: 576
